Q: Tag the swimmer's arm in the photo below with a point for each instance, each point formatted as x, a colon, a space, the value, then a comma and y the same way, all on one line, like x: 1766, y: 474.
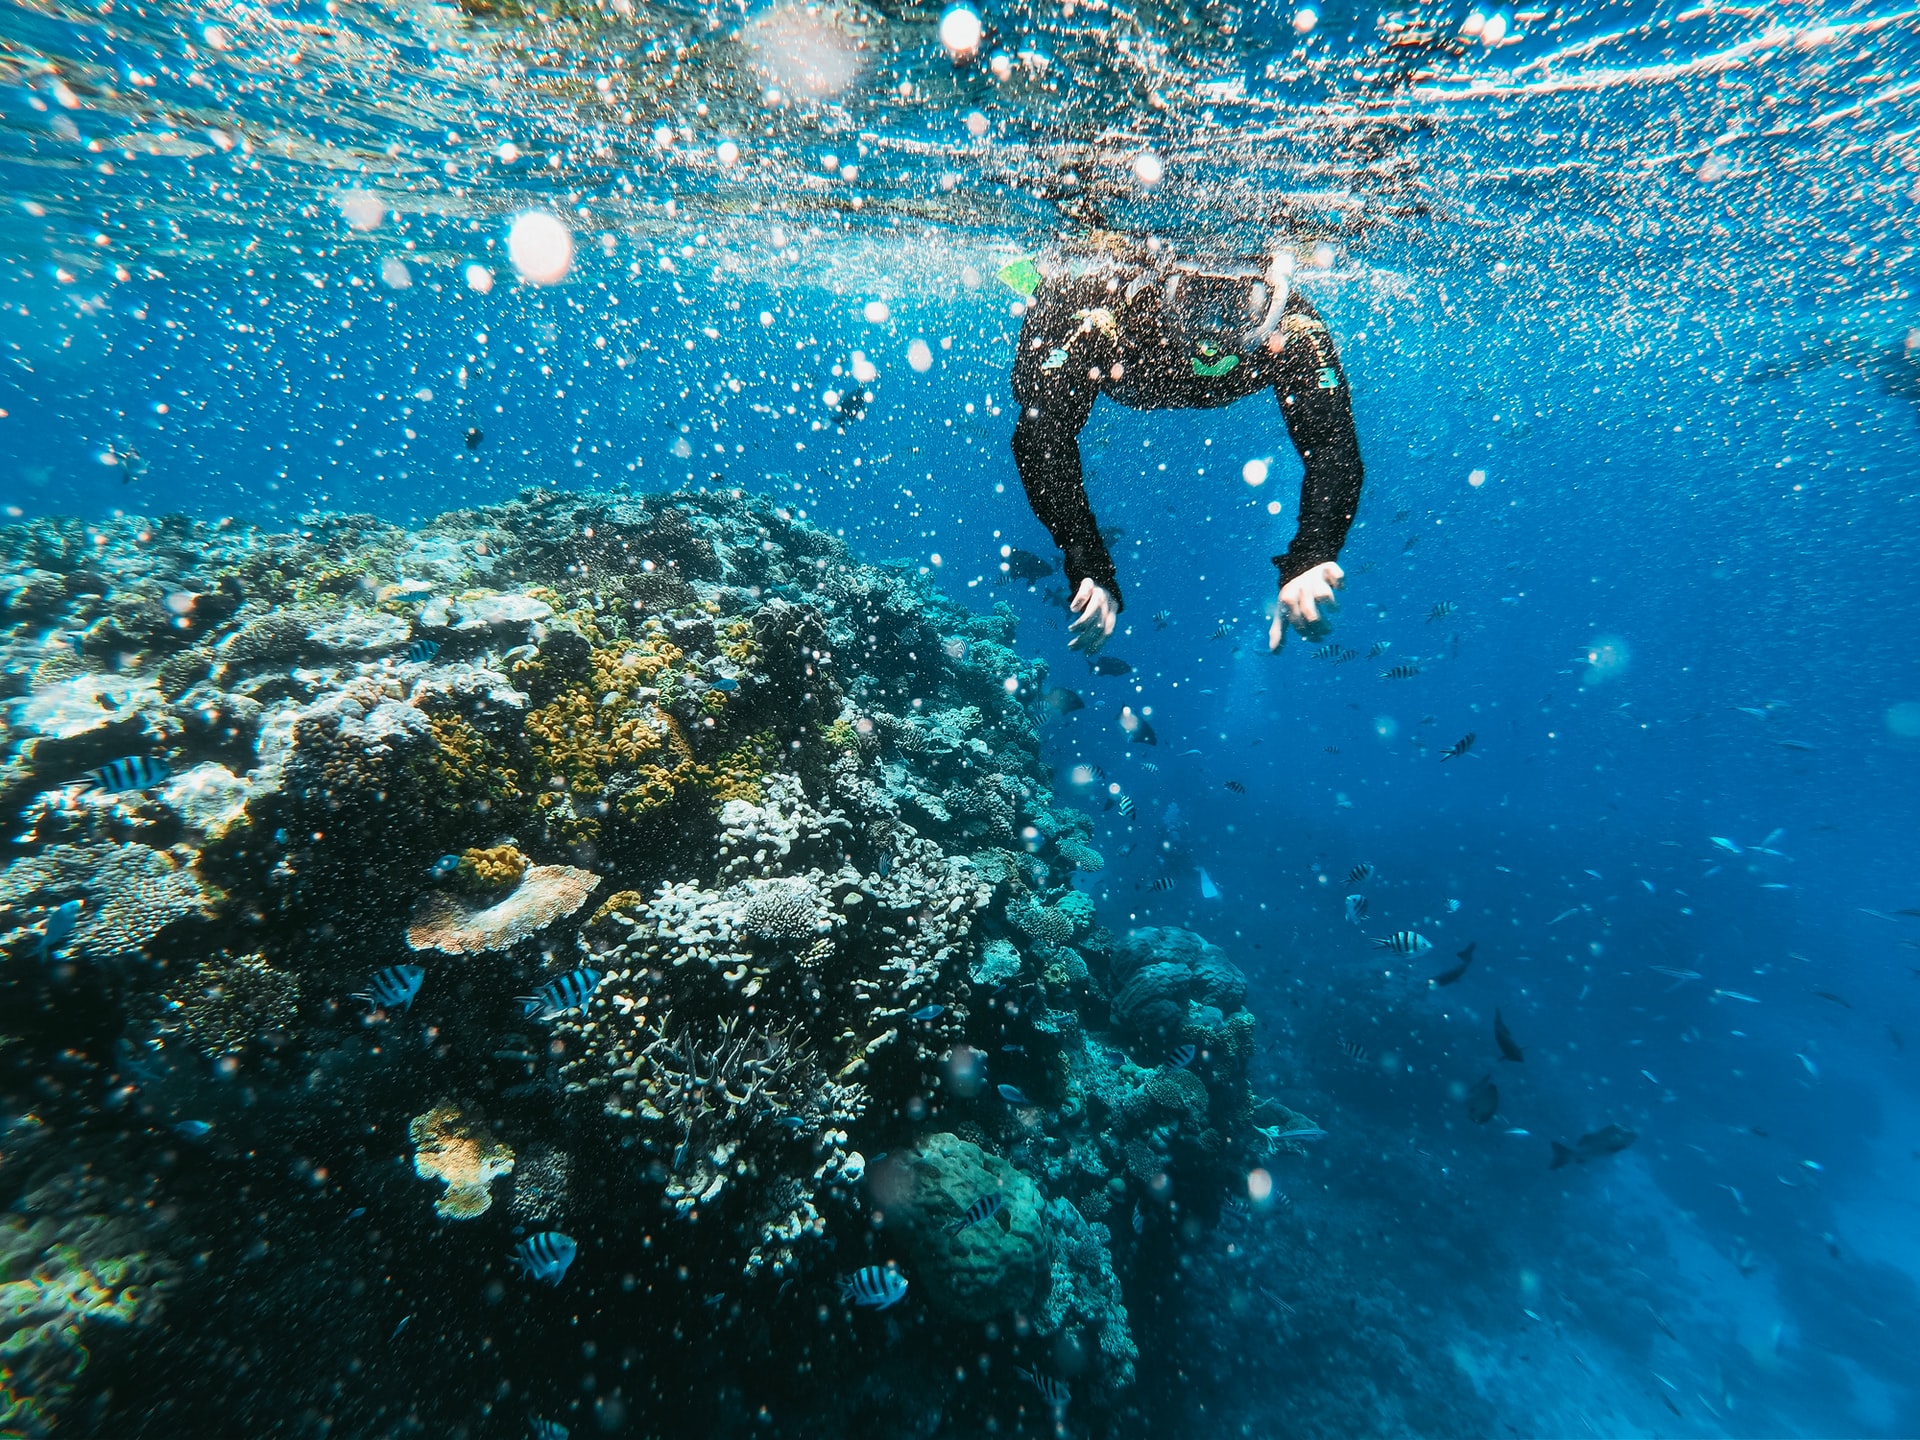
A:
x: 1054, y: 406
x: 1318, y: 409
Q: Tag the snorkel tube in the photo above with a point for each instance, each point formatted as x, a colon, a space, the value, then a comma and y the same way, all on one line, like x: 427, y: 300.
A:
x: 1279, y: 282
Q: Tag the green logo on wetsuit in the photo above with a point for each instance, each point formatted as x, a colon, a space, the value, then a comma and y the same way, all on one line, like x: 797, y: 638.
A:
x: 1205, y: 364
x: 1329, y: 380
x: 1022, y: 276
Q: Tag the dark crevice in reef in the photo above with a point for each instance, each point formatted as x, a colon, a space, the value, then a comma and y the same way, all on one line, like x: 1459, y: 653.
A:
x: 766, y: 833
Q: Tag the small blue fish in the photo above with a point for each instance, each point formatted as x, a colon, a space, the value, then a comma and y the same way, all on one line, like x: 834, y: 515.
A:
x: 546, y: 1256
x: 570, y: 992
x: 443, y: 867
x: 874, y: 1287
x: 541, y: 1429
x: 980, y: 1211
x: 421, y: 651
x: 1180, y: 1057
x: 792, y: 1122
x: 727, y: 684
x: 1013, y: 1095
x: 193, y: 1129
x: 59, y: 928
x: 1404, y: 942
x: 928, y: 1012
x: 1304, y: 1132
x: 884, y: 866
x: 394, y: 987
x: 136, y: 772
x: 1115, y: 1057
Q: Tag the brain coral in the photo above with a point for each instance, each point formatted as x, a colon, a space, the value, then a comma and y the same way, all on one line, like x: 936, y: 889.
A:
x: 451, y: 1146
x: 546, y: 893
x: 1161, y: 979
x: 973, y: 1272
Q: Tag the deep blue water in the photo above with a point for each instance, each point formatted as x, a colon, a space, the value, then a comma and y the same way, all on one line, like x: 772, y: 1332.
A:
x: 1736, y: 550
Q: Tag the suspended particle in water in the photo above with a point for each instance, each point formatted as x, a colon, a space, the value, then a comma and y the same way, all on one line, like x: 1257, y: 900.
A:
x: 960, y: 32
x: 507, y: 153
x: 728, y: 153
x: 919, y: 357
x: 479, y: 279
x: 1254, y: 472
x: 976, y: 127
x: 541, y: 247
x: 361, y: 209
x: 1148, y: 169
x: 1476, y: 478
x: 875, y: 312
x: 1304, y: 19
x: 394, y: 273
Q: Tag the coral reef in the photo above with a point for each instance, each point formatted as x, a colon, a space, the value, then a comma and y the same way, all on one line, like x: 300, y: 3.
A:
x: 788, y: 808
x: 74, y: 1267
x: 452, y: 1146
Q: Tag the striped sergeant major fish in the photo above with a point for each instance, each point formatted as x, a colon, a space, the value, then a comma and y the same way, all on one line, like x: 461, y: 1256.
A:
x: 1162, y: 882
x: 874, y: 1287
x: 1404, y: 942
x: 1338, y: 654
x: 421, y: 651
x: 979, y: 1212
x: 1380, y: 647
x: 59, y: 928
x: 540, y: 1428
x: 1353, y: 1050
x: 135, y: 772
x: 1441, y: 611
x: 1125, y: 806
x: 1360, y: 873
x: 1405, y: 670
x: 553, y: 999
x: 394, y: 987
x: 1356, y: 908
x: 1459, y: 747
x: 1180, y: 1057
x: 1053, y: 1391
x: 546, y: 1256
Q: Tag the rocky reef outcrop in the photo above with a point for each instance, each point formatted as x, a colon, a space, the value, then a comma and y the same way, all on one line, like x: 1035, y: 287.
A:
x: 764, y: 834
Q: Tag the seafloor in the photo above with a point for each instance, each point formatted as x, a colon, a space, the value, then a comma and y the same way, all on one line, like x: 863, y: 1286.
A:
x: 785, y: 811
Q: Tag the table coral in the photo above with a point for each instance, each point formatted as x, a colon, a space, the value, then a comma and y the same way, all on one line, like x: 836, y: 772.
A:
x: 457, y: 926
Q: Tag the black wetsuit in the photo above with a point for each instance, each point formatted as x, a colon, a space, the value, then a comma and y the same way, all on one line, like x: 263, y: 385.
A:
x: 1106, y: 327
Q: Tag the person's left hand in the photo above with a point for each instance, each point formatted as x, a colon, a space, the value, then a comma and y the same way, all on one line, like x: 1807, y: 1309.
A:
x: 1094, y: 610
x: 1301, y: 600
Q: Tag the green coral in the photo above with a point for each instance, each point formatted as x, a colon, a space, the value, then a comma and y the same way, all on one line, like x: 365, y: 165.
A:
x: 972, y: 1272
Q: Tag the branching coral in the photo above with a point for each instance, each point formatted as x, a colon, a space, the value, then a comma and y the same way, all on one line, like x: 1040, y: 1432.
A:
x: 231, y: 1004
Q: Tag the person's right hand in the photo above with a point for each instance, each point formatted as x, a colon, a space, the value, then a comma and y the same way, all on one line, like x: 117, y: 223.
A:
x: 1095, y: 610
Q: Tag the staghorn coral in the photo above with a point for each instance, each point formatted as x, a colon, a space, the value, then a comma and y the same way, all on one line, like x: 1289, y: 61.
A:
x: 456, y: 1148
x: 455, y: 926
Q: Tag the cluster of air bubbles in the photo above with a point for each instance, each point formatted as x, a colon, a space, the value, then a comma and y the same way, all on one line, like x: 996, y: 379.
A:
x: 1490, y: 28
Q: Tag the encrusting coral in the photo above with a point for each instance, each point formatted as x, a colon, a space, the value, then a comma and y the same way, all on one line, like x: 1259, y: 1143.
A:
x: 456, y: 1148
x: 786, y: 877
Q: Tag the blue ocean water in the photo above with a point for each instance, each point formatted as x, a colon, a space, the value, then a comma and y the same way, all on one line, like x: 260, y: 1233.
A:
x: 1626, y: 311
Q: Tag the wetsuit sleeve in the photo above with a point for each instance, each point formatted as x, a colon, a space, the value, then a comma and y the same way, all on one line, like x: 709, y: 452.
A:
x: 1319, y: 414
x: 1055, y: 393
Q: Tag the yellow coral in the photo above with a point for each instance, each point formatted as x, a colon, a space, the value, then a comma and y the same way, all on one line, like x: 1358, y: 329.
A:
x: 627, y: 901
x: 736, y: 642
x: 451, y: 1147
x: 469, y: 770
x: 492, y: 869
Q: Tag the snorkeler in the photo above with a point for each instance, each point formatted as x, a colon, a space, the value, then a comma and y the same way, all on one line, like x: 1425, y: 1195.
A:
x: 1117, y: 317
